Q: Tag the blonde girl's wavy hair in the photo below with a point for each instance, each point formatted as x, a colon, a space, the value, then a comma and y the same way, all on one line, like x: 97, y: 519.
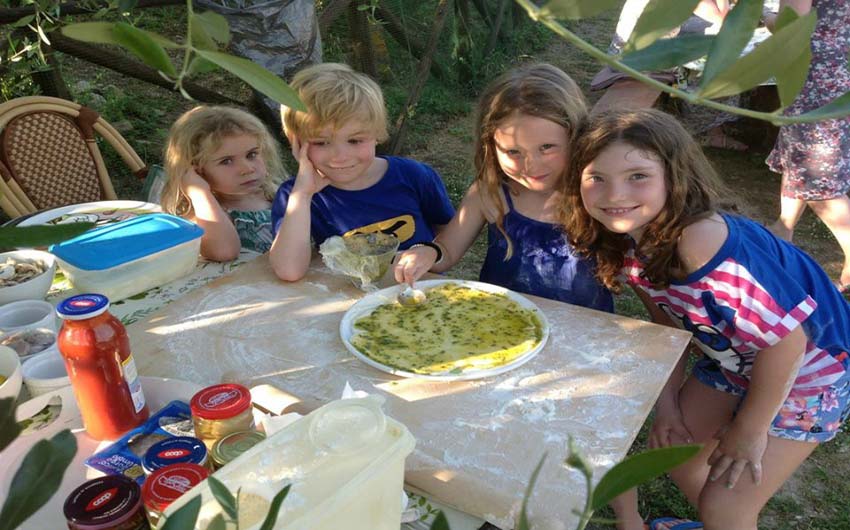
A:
x: 694, y: 192
x: 539, y: 90
x: 334, y: 95
x: 197, y: 134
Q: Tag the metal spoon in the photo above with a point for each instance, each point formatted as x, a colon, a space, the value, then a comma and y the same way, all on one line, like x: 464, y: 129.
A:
x: 410, y: 296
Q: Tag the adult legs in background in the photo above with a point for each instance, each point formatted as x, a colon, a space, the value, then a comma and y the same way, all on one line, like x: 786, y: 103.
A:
x: 835, y: 214
x: 790, y: 211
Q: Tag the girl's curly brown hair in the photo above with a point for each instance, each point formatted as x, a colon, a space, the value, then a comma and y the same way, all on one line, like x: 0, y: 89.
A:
x: 694, y: 192
x: 534, y: 89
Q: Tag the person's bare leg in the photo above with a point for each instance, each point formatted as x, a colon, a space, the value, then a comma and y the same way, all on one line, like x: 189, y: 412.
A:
x: 625, y: 507
x: 702, y: 422
x: 627, y: 94
x: 790, y: 211
x: 835, y: 214
x: 721, y: 508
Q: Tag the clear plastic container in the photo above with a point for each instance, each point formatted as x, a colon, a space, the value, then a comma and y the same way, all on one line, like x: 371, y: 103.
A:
x: 128, y: 257
x: 345, y: 462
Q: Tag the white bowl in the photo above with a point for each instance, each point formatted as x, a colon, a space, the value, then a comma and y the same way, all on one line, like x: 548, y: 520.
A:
x: 10, y: 367
x: 27, y: 314
x: 45, y: 372
x: 29, y: 342
x: 34, y: 288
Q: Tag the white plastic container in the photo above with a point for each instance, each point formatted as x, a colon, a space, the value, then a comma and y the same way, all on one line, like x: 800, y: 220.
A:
x: 128, y: 257
x: 345, y: 464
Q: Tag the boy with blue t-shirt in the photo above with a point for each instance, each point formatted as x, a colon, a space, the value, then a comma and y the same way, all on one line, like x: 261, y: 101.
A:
x: 342, y: 187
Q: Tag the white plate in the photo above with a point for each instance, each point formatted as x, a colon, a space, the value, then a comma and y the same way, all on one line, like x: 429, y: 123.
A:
x: 385, y: 296
x: 100, y: 213
x: 158, y: 393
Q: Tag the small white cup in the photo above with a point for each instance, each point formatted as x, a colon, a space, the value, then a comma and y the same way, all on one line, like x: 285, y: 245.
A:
x: 45, y: 373
x: 24, y: 314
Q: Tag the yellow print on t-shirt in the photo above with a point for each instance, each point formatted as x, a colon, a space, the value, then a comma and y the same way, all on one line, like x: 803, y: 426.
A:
x: 402, y: 227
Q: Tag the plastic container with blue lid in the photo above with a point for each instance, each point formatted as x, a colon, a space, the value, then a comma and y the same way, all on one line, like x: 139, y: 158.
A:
x: 131, y: 256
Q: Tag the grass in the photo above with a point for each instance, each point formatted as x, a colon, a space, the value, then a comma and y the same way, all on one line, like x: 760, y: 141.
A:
x: 441, y: 134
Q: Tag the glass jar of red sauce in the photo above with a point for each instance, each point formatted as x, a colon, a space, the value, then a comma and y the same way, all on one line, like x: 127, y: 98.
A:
x: 103, y: 374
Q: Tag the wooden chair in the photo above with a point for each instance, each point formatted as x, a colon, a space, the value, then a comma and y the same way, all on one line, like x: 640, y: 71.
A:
x: 49, y: 155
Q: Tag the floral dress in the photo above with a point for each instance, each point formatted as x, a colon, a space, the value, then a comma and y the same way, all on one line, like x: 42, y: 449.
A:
x: 254, y: 229
x: 815, y: 157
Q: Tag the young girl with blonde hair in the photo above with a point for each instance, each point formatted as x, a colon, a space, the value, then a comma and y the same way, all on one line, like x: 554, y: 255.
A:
x: 775, y: 334
x: 223, y: 167
x: 526, y: 120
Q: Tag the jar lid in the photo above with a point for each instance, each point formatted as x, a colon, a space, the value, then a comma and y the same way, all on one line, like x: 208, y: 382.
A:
x: 82, y: 306
x: 234, y: 444
x: 167, y: 484
x: 176, y: 450
x: 219, y: 402
x: 112, y: 499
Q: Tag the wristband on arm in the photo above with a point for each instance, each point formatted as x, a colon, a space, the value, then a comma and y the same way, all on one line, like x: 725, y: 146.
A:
x: 431, y: 244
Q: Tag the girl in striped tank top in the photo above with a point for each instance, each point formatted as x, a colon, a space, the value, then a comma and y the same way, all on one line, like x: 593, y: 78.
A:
x: 772, y: 381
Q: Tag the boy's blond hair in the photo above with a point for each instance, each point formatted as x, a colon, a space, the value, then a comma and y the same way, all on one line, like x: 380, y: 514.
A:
x: 334, y: 95
x: 197, y: 134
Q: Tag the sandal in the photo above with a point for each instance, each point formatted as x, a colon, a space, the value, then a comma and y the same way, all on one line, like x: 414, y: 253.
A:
x: 674, y: 523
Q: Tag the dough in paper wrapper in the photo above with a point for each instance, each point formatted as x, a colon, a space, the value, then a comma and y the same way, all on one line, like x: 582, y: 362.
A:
x: 363, y: 257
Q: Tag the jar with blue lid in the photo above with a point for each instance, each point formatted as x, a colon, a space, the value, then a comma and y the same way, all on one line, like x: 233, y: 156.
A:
x: 176, y: 450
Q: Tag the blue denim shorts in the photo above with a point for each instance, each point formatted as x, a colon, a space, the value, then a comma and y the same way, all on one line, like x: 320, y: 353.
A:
x: 816, y: 418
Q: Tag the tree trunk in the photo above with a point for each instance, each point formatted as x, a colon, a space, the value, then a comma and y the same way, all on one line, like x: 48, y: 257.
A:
x: 464, y: 42
x: 361, y: 42
x: 395, y: 28
x: 124, y: 65
x: 332, y: 10
x: 497, y: 27
x: 421, y: 76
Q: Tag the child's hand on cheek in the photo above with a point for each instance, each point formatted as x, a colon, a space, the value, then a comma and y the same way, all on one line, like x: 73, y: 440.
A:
x: 308, y: 180
x: 193, y: 180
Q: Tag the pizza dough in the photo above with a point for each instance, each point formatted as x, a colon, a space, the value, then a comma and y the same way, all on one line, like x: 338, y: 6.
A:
x: 457, y: 329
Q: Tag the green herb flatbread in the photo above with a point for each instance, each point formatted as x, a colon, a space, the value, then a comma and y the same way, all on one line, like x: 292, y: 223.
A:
x: 457, y: 329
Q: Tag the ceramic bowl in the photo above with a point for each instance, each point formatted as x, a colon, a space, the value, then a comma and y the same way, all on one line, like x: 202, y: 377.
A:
x: 33, y: 288
x: 45, y: 372
x: 10, y: 368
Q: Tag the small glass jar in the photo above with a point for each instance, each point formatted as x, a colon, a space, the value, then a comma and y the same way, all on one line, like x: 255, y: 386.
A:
x: 112, y: 502
x: 233, y: 445
x: 219, y: 410
x: 176, y: 450
x: 166, y: 485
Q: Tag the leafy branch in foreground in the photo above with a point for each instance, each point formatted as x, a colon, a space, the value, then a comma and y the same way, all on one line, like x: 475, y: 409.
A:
x: 785, y: 56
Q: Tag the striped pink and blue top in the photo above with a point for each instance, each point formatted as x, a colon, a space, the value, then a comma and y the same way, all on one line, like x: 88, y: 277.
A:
x: 752, y: 294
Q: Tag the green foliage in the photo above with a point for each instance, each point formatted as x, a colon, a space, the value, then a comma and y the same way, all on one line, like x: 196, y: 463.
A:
x: 668, y: 53
x: 440, y: 522
x: 39, y: 236
x: 225, y: 499
x: 737, y: 29
x: 658, y: 18
x: 523, y: 514
x: 788, y: 44
x: 9, y: 428
x: 577, y: 9
x: 256, y: 76
x: 38, y: 478
x: 637, y: 469
x: 185, y: 516
x: 277, y: 502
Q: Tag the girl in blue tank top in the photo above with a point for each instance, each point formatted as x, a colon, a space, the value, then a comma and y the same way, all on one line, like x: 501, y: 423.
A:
x: 526, y: 120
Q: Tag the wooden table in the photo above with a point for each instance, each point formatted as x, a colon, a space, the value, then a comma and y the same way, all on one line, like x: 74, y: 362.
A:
x: 477, y: 441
